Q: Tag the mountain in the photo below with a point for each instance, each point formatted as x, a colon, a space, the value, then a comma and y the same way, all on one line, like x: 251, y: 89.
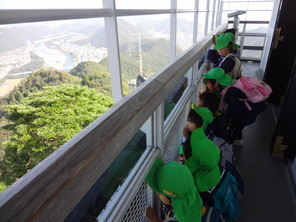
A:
x: 16, y: 37
x: 183, y: 25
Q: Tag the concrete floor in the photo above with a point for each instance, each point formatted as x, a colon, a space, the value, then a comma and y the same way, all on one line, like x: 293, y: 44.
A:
x: 268, y: 188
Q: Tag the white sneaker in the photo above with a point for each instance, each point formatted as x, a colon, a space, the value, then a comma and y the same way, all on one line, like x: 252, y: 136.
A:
x: 239, y: 142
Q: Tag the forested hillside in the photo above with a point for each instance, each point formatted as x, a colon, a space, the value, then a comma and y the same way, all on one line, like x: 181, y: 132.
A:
x: 35, y: 82
x: 45, y: 120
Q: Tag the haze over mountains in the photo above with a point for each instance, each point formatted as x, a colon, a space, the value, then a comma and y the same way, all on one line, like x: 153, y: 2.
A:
x: 84, y: 40
x: 18, y: 36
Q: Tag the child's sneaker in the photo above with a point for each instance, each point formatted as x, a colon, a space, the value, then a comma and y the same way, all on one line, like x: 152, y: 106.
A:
x: 239, y: 142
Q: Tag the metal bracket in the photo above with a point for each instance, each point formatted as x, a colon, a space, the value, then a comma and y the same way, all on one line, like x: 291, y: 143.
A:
x: 277, y: 38
x: 278, y: 148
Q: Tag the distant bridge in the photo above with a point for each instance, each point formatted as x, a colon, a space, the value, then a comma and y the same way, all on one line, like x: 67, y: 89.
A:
x: 29, y: 72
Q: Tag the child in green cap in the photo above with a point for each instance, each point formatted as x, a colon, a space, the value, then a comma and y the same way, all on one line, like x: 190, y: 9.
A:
x: 234, y: 106
x: 220, y: 125
x: 222, y: 55
x: 201, y: 154
x: 174, y: 184
x: 209, y: 100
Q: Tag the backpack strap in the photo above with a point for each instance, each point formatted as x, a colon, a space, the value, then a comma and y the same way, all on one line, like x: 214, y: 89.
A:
x: 246, y: 103
x: 226, y: 57
x: 240, y: 99
x: 236, y: 72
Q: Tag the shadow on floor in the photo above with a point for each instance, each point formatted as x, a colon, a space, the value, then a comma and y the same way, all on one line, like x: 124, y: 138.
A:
x: 268, y: 194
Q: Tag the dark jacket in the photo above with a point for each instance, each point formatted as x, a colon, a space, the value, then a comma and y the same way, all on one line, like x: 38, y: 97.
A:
x: 228, y: 64
x: 238, y: 111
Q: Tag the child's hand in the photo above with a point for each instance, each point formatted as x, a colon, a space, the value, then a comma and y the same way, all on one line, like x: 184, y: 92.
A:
x: 203, y: 89
x: 151, y: 214
x: 185, y: 132
x: 214, y: 39
x: 182, y: 158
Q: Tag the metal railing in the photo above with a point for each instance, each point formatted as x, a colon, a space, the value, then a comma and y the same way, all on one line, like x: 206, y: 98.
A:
x: 251, y: 51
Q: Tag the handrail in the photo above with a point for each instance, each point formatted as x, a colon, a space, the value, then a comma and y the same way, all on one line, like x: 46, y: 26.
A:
x: 54, y: 187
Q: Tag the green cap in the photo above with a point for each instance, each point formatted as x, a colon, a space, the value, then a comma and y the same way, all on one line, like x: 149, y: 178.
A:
x: 220, y: 76
x: 175, y: 180
x: 205, y: 114
x: 224, y: 39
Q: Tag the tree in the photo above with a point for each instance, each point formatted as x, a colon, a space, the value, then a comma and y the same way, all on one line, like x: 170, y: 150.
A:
x: 45, y: 120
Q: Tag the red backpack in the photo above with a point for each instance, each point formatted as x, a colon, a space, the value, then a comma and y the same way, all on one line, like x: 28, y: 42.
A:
x: 255, y: 89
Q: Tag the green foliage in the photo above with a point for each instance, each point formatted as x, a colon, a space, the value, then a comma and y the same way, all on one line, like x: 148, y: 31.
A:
x: 94, y: 75
x: 3, y: 187
x: 130, y: 67
x: 45, y: 120
x: 37, y: 80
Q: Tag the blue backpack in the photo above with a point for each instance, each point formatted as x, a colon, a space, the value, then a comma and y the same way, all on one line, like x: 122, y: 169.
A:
x: 211, y: 214
x: 226, y: 197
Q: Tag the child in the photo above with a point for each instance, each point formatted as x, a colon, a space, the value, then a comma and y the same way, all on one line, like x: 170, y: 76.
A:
x: 222, y: 55
x: 220, y: 124
x: 236, y: 109
x: 209, y: 100
x: 174, y: 184
x: 205, y: 155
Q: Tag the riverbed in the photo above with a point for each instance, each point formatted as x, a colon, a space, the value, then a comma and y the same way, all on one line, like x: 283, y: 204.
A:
x: 53, y: 57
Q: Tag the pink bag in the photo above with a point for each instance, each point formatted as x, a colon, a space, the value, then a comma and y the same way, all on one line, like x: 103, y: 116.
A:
x: 255, y: 89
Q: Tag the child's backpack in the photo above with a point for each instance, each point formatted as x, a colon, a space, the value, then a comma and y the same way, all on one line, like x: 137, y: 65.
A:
x: 236, y: 72
x: 211, y: 214
x: 221, y: 125
x: 225, y: 148
x: 226, y: 198
x: 227, y: 162
x: 255, y: 89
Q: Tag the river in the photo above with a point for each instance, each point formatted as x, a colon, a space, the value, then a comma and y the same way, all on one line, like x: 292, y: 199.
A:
x: 54, y: 57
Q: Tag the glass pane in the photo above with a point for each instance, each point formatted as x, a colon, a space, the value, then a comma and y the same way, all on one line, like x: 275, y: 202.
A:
x: 254, y: 41
x: 174, y: 96
x: 98, y: 196
x: 257, y: 16
x: 184, y: 31
x: 61, y: 45
x: 144, y: 46
x: 257, y: 28
x: 224, y: 17
x: 235, y: 6
x: 143, y: 4
x: 210, y: 22
x: 260, y: 6
x: 49, y: 54
x: 201, y: 25
x: 188, y: 4
x: 202, y: 5
x: 53, y: 4
x: 211, y: 4
x: 256, y: 54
